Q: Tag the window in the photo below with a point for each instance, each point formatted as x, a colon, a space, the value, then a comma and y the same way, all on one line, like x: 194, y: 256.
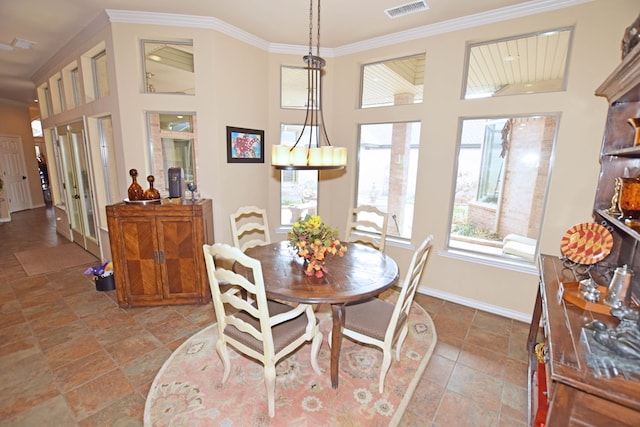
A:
x: 75, y: 86
x: 60, y: 94
x: 293, y: 81
x: 298, y: 188
x: 36, y: 128
x: 108, y: 156
x: 502, y: 178
x: 70, y: 86
x: 387, y: 170
x: 172, y: 139
x: 529, y: 63
x: 45, y: 101
x: 394, y: 82
x: 100, y: 75
x: 168, y: 67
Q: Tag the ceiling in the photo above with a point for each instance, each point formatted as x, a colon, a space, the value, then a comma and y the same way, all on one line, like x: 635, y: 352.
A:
x: 51, y: 24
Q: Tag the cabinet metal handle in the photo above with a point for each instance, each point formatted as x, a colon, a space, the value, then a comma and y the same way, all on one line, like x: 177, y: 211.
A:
x: 155, y: 257
x: 161, y: 257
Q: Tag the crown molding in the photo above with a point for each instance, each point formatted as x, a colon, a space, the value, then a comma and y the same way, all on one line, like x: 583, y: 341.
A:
x: 498, y: 15
x: 188, y: 21
x: 294, y: 49
x: 191, y: 21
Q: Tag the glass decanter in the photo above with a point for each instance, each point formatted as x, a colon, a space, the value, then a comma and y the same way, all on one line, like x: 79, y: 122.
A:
x: 135, y: 192
x: 151, y: 193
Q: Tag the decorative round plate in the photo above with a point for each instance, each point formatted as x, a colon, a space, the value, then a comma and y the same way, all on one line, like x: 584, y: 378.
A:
x: 586, y: 243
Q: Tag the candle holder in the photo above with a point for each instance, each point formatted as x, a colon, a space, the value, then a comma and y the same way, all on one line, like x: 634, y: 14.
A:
x: 191, y: 186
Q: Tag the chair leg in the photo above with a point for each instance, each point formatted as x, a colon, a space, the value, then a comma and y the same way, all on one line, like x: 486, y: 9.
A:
x: 315, y: 348
x: 401, y: 338
x: 221, y: 347
x: 386, y: 362
x: 270, y: 384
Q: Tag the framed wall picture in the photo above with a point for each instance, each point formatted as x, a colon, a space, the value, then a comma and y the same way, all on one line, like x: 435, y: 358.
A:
x: 245, y: 145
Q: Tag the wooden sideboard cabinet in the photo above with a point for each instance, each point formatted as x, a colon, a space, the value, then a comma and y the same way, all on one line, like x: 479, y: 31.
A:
x: 576, y: 397
x: 157, y: 254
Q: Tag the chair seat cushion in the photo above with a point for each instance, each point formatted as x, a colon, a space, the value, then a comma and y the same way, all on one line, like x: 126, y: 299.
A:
x: 283, y: 333
x: 371, y: 318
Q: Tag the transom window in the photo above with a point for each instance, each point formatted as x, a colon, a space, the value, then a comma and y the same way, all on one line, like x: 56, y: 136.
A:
x: 168, y: 67
x: 529, y: 63
x: 397, y: 81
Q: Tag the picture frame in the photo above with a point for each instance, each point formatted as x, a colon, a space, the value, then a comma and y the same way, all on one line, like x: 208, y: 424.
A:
x: 245, y: 145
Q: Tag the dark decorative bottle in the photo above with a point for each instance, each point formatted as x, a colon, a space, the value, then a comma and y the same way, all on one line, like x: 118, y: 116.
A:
x: 151, y: 193
x: 135, y: 192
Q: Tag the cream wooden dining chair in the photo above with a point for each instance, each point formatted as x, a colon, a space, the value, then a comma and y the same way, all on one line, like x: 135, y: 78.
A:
x: 382, y: 323
x: 249, y: 227
x: 264, y: 330
x: 367, y: 225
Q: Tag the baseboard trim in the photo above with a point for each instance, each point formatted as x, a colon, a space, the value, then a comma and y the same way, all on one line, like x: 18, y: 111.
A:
x: 494, y: 309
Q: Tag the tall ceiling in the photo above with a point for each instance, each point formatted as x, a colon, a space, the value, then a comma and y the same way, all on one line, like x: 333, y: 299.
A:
x: 51, y: 24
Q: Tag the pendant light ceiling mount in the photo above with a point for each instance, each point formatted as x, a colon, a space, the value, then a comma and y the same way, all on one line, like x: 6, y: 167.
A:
x: 316, y: 152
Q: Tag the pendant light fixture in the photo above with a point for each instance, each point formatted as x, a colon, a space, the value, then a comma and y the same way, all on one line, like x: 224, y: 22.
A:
x: 314, y: 151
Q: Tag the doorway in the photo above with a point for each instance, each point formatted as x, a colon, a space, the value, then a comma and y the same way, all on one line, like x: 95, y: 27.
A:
x: 76, y: 186
x: 14, y: 174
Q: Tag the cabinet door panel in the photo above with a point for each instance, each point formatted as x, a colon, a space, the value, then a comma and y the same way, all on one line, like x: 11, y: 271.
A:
x: 177, y: 242
x: 142, y: 269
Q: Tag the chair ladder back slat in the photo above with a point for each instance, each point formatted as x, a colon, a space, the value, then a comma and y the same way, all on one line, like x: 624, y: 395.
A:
x: 249, y: 227
x: 368, y: 225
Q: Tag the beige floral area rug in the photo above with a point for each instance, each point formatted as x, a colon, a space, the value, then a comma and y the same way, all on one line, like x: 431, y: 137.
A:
x: 188, y: 391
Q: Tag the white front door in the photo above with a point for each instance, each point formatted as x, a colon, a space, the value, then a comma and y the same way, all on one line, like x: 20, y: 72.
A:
x: 14, y: 173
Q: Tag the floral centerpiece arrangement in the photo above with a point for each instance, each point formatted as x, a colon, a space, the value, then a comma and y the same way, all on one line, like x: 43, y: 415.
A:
x: 316, y: 242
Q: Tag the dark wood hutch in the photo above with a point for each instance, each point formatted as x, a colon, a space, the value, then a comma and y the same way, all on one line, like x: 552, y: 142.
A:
x: 575, y: 395
x: 620, y: 158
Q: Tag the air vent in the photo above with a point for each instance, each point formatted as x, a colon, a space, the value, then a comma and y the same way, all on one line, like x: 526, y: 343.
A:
x: 406, y: 9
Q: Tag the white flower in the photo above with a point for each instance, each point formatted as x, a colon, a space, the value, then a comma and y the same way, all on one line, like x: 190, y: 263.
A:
x: 384, y: 407
x: 362, y: 395
x: 311, y: 404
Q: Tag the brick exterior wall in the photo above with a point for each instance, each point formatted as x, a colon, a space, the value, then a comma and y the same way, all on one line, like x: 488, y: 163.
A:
x: 529, y: 154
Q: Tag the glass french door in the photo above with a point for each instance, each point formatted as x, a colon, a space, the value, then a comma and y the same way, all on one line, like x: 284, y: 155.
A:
x: 77, y: 186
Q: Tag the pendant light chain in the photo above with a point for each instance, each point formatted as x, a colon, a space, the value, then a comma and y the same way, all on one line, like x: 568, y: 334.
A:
x: 311, y: 27
x: 312, y: 156
x: 318, y: 39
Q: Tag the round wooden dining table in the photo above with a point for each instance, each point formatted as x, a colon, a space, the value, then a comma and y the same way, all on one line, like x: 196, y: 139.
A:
x: 361, y: 273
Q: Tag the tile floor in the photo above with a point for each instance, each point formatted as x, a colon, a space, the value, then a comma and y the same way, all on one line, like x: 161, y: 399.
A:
x: 70, y: 357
